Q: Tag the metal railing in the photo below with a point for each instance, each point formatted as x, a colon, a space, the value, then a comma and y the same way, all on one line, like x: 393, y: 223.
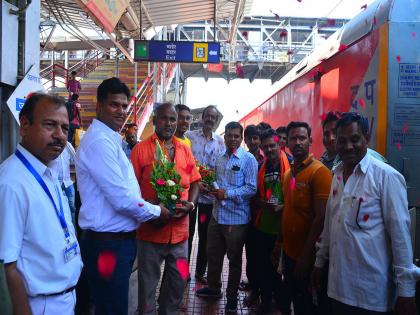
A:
x: 54, y: 73
x: 57, y: 73
x: 141, y: 104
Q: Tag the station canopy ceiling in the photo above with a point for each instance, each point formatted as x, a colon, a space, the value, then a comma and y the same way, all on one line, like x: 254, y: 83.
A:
x: 77, y: 16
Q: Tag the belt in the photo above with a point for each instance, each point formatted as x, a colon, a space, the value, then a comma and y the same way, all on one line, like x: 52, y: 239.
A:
x: 59, y: 293
x: 108, y: 236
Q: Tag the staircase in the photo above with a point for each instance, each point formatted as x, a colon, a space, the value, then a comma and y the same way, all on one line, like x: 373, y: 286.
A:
x: 106, y: 70
x: 140, y: 105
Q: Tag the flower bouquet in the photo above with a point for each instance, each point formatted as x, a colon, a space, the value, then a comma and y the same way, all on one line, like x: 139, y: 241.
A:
x: 208, y: 176
x: 165, y: 180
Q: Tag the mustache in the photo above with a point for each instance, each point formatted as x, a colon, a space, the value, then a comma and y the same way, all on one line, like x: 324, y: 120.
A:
x: 56, y: 143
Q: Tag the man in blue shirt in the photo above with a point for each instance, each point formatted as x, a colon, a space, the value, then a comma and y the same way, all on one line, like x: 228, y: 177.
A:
x: 236, y: 176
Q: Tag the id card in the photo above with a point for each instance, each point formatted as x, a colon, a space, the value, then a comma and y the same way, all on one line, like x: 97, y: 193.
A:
x: 70, y: 251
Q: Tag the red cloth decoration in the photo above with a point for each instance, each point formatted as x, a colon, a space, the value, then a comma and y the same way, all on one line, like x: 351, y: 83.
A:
x: 30, y: 94
x: 276, y: 15
x: 215, y: 67
x: 202, y: 218
x: 107, y: 261
x: 183, y: 268
x: 268, y: 194
x: 292, y: 183
x: 342, y: 47
x: 330, y: 22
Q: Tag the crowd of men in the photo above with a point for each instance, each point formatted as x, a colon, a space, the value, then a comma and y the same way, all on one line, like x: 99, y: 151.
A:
x: 328, y: 236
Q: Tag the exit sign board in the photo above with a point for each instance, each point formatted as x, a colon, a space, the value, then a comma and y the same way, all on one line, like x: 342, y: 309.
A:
x: 173, y: 51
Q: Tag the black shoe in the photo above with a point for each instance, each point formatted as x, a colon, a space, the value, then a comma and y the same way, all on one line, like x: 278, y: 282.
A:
x: 201, y: 279
x: 251, y: 300
x: 244, y: 286
x: 207, y: 293
x: 231, y: 306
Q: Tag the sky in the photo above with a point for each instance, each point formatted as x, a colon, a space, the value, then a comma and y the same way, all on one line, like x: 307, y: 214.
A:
x: 239, y: 97
x: 234, y: 99
x: 309, y: 8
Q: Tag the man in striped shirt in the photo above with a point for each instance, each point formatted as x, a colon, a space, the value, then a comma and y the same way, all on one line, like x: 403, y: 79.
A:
x: 236, y: 176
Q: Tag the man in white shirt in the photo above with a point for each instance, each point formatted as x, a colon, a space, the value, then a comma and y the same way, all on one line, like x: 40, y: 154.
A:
x: 366, y: 232
x: 112, y: 205
x: 37, y: 239
x: 61, y: 166
x: 206, y: 147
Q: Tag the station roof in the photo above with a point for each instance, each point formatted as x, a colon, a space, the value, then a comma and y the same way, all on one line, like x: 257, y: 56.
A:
x: 74, y: 18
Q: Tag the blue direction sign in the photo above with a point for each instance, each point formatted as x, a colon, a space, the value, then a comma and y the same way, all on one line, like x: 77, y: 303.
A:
x: 172, y: 51
x: 19, y: 103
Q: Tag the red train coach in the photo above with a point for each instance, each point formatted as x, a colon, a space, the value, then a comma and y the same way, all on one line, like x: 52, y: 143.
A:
x: 371, y: 65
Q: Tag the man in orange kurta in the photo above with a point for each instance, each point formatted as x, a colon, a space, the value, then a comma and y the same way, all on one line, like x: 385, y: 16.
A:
x: 164, y: 240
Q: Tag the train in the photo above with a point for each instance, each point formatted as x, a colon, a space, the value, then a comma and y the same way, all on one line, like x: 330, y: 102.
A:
x: 371, y: 65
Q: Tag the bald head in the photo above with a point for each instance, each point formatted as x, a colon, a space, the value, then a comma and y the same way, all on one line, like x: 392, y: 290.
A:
x: 164, y: 107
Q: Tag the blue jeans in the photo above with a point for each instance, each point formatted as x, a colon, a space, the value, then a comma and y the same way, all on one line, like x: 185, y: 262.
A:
x: 110, y: 295
x: 70, y: 193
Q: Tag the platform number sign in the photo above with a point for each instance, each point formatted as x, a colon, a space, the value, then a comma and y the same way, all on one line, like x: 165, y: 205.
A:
x: 200, y: 52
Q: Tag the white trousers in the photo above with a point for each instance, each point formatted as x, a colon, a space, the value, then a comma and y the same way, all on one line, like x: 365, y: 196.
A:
x: 53, y: 305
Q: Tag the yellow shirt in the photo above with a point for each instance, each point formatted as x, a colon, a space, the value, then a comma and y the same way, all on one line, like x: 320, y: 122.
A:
x: 185, y: 141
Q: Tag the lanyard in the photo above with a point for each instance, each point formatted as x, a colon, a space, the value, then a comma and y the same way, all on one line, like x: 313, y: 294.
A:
x: 60, y: 213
